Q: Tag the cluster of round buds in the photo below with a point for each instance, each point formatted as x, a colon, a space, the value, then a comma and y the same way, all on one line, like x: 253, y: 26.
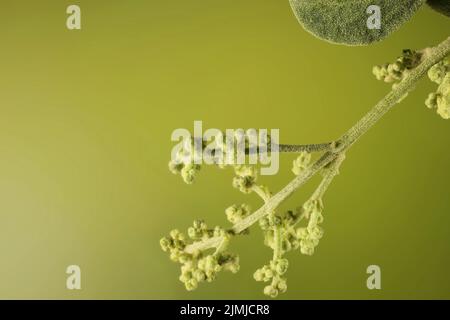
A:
x: 301, y: 163
x: 290, y: 241
x: 273, y: 272
x: 440, y: 100
x: 245, y: 178
x: 268, y: 225
x: 174, y: 245
x: 197, y: 267
x: 184, y: 162
x: 206, y: 268
x: 236, y: 213
x: 309, y: 237
x: 392, y: 72
x: 199, y: 230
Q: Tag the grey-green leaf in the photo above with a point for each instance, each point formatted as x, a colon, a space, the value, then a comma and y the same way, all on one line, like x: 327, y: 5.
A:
x: 442, y: 6
x: 346, y: 21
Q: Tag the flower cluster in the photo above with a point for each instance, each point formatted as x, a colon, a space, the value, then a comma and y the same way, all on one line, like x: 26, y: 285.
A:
x: 393, y: 72
x: 310, y: 236
x: 184, y: 163
x: 292, y: 237
x: 440, y: 99
x: 236, y: 213
x: 206, y: 268
x: 197, y: 267
x: 301, y: 163
x: 273, y: 272
x: 220, y: 153
x: 269, y: 224
x: 281, y: 234
x: 245, y: 178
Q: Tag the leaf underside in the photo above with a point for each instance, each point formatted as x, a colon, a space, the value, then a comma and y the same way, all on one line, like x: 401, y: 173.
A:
x: 345, y: 21
x: 442, y: 6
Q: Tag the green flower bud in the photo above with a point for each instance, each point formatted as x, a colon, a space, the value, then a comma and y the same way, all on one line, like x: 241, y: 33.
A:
x: 219, y: 232
x: 236, y: 213
x: 345, y: 22
x: 210, y: 275
x: 185, y: 277
x: 165, y: 244
x: 441, y: 6
x: 302, y: 233
x: 175, y: 167
x: 438, y: 71
x: 380, y: 72
x: 187, y: 267
x: 316, y: 232
x: 391, y: 72
x: 276, y: 220
x: 282, y: 285
x: 443, y: 106
x: 200, y: 225
x: 229, y: 262
x: 313, y: 206
x: 189, y: 172
x: 244, y: 184
x: 307, y: 250
x: 269, y: 238
x: 199, y: 275
x: 281, y: 266
x: 194, y: 233
x: 443, y: 97
x: 431, y: 101
x: 174, y: 255
x: 271, y: 291
x: 233, y: 267
x: 191, y: 284
x: 301, y: 163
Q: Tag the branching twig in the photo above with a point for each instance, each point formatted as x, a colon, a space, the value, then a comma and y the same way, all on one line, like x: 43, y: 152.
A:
x: 335, y: 151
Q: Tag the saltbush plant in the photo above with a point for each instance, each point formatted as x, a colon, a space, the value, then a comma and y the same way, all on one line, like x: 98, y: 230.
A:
x: 203, y: 251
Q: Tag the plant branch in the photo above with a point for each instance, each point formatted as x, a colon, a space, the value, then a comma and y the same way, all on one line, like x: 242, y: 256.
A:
x: 291, y: 148
x: 337, y: 150
x: 277, y: 249
x: 331, y: 172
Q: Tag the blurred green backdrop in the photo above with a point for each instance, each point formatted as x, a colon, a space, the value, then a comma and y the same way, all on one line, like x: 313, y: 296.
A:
x: 85, y: 124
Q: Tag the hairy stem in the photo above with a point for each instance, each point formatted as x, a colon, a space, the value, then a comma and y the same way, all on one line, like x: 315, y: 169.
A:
x: 287, y: 148
x: 332, y: 172
x: 277, y: 250
x: 337, y: 150
x: 295, y: 148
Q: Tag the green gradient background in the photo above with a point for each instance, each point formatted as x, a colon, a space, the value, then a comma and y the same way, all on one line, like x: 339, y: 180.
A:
x: 85, y: 124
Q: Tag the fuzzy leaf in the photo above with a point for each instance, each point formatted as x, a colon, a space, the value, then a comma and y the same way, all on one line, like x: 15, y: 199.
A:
x: 442, y: 6
x: 345, y: 21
